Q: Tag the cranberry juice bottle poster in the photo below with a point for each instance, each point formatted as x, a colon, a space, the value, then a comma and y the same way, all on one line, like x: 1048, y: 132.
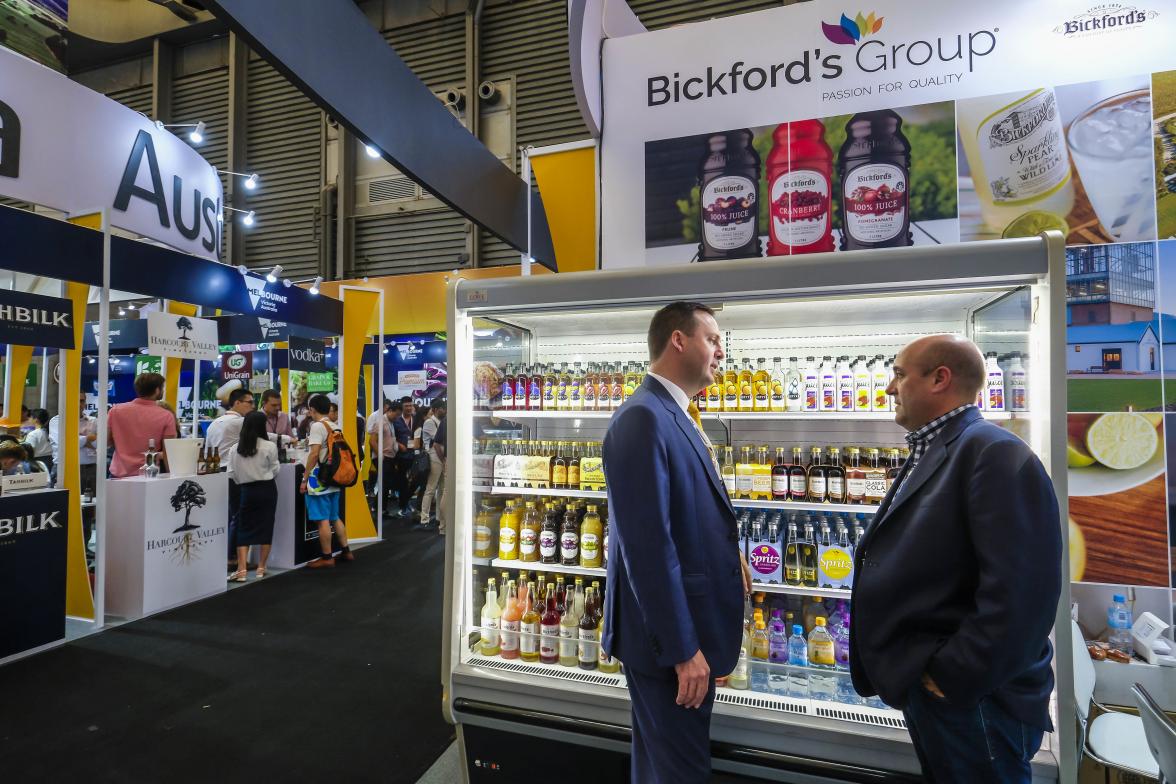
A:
x: 872, y: 179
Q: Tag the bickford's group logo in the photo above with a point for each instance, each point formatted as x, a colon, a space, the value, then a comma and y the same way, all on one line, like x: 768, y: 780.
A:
x: 1105, y: 18
x: 850, y: 31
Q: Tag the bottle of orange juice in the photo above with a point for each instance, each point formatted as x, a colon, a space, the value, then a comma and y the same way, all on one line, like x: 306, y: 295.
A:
x: 508, y: 533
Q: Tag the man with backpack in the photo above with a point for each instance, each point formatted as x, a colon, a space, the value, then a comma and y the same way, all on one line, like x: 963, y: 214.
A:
x: 330, y: 466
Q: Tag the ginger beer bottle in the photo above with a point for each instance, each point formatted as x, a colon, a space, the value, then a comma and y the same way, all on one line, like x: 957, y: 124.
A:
x: 835, y: 477
x: 529, y: 637
x: 875, y: 478
x: 589, y: 647
x: 511, y: 622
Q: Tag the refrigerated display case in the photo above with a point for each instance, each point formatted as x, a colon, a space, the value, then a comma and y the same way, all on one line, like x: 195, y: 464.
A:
x: 1008, y: 296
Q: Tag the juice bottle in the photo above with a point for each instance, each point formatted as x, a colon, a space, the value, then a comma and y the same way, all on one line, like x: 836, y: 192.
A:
x: 835, y: 477
x: 576, y: 388
x: 817, y: 478
x: 512, y: 616
x: 1018, y: 393
x: 797, y: 477
x: 728, y: 471
x: 761, y: 476
x: 591, y: 387
x: 994, y: 384
x: 728, y: 180
x: 879, y: 381
x: 502, y: 594
x: 550, y: 380
x: 559, y: 466
x: 591, y: 536
x: 714, y: 393
x: 875, y: 164
x: 573, y: 465
x: 563, y: 389
x: 855, y: 477
x: 743, y: 474
x: 506, y: 401
x: 862, y: 389
x: 844, y: 384
x: 800, y: 176
x: 820, y: 645
x: 761, y: 387
x: 491, y: 620
x: 529, y: 627
x: 746, y: 386
x: 779, y: 476
x: 588, y: 651
x: 578, y: 600
x: 730, y: 388
x: 569, y: 636
x: 777, y: 399
x: 483, y: 536
x: 549, y: 628
x: 508, y: 532
x: 569, y: 538
x: 618, y: 386
x: 549, y: 535
x: 529, y: 533
x: 811, y: 377
x: 828, y: 384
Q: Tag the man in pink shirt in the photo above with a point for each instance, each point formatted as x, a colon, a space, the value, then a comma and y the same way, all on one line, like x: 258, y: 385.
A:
x: 133, y: 424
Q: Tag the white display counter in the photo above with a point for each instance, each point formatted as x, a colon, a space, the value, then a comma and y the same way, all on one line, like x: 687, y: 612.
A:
x: 167, y: 541
x: 289, y: 520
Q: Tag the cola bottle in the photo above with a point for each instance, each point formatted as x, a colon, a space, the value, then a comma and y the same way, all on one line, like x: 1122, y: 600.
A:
x: 875, y: 164
x: 800, y: 178
x: 728, y: 181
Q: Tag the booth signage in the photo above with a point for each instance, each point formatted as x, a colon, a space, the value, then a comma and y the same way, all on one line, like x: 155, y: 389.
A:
x: 121, y: 334
x: 35, y: 320
x: 320, y: 382
x: 148, y: 364
x: 18, y: 482
x: 730, y: 138
x: 232, y: 330
x: 67, y: 147
x: 32, y: 569
x: 238, y: 364
x: 309, y: 355
x: 186, y: 337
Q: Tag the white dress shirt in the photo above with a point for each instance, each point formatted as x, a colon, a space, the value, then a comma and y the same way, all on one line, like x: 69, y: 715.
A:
x: 676, y: 392
x: 259, y: 467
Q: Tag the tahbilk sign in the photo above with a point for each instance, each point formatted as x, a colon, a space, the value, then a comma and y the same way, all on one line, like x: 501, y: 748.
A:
x: 35, y: 320
x: 32, y: 569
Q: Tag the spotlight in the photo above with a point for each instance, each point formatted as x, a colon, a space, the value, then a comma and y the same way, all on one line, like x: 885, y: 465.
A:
x: 314, y: 287
x: 122, y: 312
x: 248, y: 219
x: 93, y: 361
x: 242, y: 269
x: 272, y: 277
x: 371, y: 151
x: 131, y: 306
x: 196, y: 136
x: 251, y: 182
x: 287, y: 282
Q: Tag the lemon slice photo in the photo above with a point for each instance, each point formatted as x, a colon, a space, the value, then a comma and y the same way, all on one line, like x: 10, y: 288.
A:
x: 1077, y: 552
x: 1122, y: 441
x: 1033, y: 223
x: 1077, y: 456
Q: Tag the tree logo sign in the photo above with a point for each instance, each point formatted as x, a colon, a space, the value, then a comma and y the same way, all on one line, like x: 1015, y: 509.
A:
x: 187, y: 539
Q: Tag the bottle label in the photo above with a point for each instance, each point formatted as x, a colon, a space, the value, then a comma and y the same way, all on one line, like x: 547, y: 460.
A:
x: 799, y: 485
x: 481, y: 537
x: 881, y: 399
x: 846, y: 397
x: 527, y: 541
x: 592, y: 473
x: 761, y: 484
x: 489, y: 632
x: 618, y: 394
x: 764, y: 560
x: 743, y: 483
x: 589, y: 396
x: 729, y: 212
x: 855, y: 487
x: 835, y: 564
x: 559, y: 474
x: 574, y: 390
x: 875, y: 486
x: 875, y: 202
x: 506, y: 538
x: 549, y: 641
x: 800, y: 207
x: 995, y: 394
x: 821, y: 652
x: 529, y: 640
x: 534, y: 392
x: 817, y: 486
x: 836, y: 488
x: 573, y: 476
x: 588, y: 645
x: 1023, y: 150
x: 508, y: 395
x: 568, y: 637
x: 862, y: 395
x: 548, y: 544
x: 589, y: 547
x: 779, y: 485
x: 1018, y: 398
x: 569, y: 546
x: 729, y: 483
x: 828, y: 394
x: 811, y: 398
x: 520, y: 394
x: 510, y: 635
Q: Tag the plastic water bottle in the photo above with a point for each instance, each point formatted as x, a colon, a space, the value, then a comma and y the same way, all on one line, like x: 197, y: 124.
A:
x: 1119, y: 625
x: 845, y: 691
x: 759, y: 658
x: 822, y: 685
x: 777, y: 655
x: 798, y: 659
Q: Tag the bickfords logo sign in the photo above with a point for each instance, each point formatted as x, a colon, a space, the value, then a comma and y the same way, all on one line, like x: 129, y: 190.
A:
x: 871, y: 55
x: 1105, y: 18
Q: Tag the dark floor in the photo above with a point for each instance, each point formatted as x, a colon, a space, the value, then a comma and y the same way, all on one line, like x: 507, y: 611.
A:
x: 309, y: 675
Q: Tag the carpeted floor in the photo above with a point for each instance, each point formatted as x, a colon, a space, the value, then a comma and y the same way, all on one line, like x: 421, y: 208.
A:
x: 309, y: 675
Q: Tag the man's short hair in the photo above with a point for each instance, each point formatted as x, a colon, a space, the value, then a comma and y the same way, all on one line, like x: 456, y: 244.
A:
x: 395, y: 405
x: 320, y: 403
x: 237, y: 395
x: 405, y: 399
x: 334, y: 406
x: 438, y: 404
x: 269, y: 394
x: 675, y: 317
x: 147, y: 384
x: 387, y: 404
x: 962, y: 358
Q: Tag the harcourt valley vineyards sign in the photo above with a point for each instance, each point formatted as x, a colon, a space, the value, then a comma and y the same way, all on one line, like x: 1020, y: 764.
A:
x: 186, y: 337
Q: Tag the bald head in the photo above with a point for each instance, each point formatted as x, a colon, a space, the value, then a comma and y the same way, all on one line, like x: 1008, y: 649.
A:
x: 933, y: 375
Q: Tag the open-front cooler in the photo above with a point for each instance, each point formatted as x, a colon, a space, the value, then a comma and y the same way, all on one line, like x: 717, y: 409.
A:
x: 538, y: 364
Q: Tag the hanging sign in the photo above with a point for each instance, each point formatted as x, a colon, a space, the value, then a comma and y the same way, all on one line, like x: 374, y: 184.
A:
x: 146, y: 363
x: 238, y: 364
x: 309, y: 355
x: 67, y: 147
x: 186, y: 337
x: 232, y: 330
x: 32, y: 569
x: 35, y: 320
x: 120, y: 334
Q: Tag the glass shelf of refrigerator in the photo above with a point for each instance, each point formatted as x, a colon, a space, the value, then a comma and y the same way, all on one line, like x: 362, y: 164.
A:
x: 738, y: 416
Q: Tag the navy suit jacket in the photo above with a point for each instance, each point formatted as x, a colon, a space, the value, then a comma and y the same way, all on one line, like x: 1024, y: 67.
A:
x: 959, y: 576
x: 675, y: 585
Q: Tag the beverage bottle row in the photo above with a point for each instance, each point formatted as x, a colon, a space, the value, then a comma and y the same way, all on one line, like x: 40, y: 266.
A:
x: 833, y: 384
x: 803, y: 550
x: 551, y: 532
x: 575, y: 386
x: 1005, y: 383
x: 544, y: 465
x: 546, y: 623
x: 826, y: 477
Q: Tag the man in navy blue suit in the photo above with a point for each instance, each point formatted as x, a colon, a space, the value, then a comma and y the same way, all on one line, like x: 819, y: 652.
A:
x: 957, y: 579
x: 676, y: 580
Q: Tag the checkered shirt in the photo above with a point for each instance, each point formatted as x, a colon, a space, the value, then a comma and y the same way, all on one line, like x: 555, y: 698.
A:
x: 919, y: 440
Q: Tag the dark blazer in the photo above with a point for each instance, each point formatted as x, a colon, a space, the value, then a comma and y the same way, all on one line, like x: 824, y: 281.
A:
x: 674, y: 581
x: 959, y: 576
x: 403, y: 432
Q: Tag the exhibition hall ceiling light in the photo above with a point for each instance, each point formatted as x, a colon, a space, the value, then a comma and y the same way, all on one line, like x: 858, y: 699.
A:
x: 314, y: 287
x: 248, y: 217
x: 372, y: 152
x: 274, y: 274
x: 196, y: 135
x: 251, y: 178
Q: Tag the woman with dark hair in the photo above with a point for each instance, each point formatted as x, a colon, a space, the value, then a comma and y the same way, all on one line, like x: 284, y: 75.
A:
x: 15, y: 459
x: 38, y: 438
x: 254, y: 468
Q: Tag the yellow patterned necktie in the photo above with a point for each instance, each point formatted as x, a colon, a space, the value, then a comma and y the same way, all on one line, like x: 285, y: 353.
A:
x: 696, y: 418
